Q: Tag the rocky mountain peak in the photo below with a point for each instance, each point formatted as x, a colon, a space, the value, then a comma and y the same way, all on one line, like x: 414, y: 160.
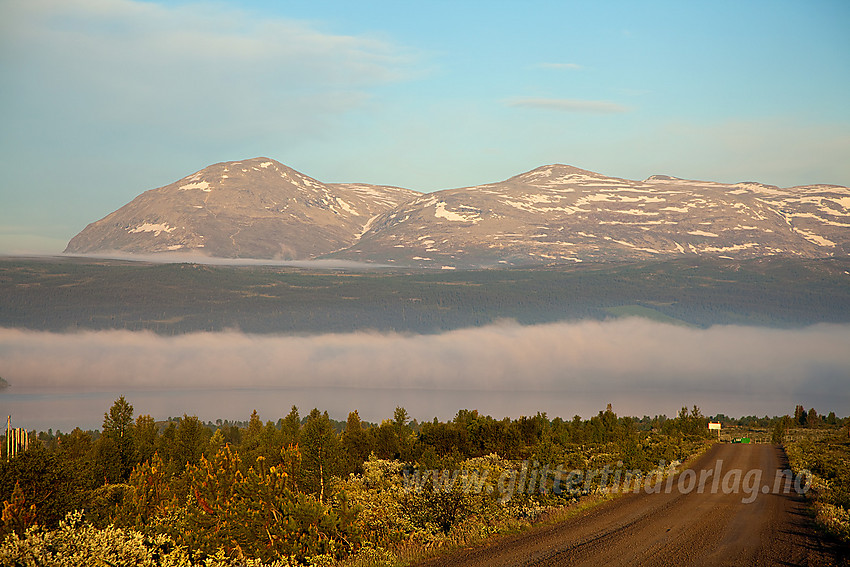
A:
x: 260, y: 208
x: 255, y: 208
x: 662, y: 178
x: 553, y: 174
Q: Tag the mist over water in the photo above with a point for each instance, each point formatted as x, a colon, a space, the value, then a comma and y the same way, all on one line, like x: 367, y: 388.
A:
x: 642, y: 367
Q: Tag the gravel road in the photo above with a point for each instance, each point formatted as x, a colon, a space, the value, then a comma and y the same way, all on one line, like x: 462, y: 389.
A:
x: 751, y: 526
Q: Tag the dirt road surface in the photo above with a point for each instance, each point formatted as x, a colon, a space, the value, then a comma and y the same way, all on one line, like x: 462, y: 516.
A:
x: 683, y: 527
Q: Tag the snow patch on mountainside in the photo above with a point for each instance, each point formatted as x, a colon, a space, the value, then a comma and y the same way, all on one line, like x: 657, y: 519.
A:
x: 157, y: 229
x: 202, y: 185
x: 441, y: 212
x: 814, y: 238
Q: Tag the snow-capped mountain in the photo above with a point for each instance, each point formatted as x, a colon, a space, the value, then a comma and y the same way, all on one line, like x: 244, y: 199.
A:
x: 257, y: 208
x: 559, y: 213
x: 554, y: 214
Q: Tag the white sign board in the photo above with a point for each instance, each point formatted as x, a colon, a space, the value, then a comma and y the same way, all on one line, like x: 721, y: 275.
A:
x: 712, y: 425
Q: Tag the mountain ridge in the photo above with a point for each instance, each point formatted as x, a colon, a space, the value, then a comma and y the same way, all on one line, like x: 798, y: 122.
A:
x: 256, y: 208
x: 558, y: 213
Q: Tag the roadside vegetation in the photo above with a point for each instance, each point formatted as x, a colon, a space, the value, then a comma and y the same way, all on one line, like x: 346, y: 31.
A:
x: 315, y: 491
x: 815, y: 444
x: 311, y: 491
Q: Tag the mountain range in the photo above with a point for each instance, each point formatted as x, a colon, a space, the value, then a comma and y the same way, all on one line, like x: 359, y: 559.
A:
x: 260, y: 208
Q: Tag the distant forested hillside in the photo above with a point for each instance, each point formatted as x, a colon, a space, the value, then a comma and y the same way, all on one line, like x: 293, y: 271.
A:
x: 60, y: 294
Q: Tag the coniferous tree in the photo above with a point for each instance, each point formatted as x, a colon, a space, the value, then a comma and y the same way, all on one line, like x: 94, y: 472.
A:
x: 355, y: 443
x: 320, y: 450
x: 116, y: 450
x: 779, y: 429
x: 145, y: 436
x: 191, y: 439
x: 800, y: 416
x: 812, y: 418
x: 166, y: 446
x: 291, y: 427
x: 402, y: 431
x: 251, y: 439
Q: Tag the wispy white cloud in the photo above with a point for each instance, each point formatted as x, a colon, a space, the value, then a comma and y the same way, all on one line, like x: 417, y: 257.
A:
x: 569, y: 105
x: 568, y: 66
x: 196, y: 69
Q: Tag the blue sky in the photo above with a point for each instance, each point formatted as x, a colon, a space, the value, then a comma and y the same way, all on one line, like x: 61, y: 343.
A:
x: 101, y: 100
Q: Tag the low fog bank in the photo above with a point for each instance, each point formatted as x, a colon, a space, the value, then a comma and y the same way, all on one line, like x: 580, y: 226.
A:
x: 188, y: 258
x: 640, y: 366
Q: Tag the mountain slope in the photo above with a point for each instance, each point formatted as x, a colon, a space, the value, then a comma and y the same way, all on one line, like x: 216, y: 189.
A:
x: 260, y: 208
x: 256, y: 208
x: 559, y: 213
